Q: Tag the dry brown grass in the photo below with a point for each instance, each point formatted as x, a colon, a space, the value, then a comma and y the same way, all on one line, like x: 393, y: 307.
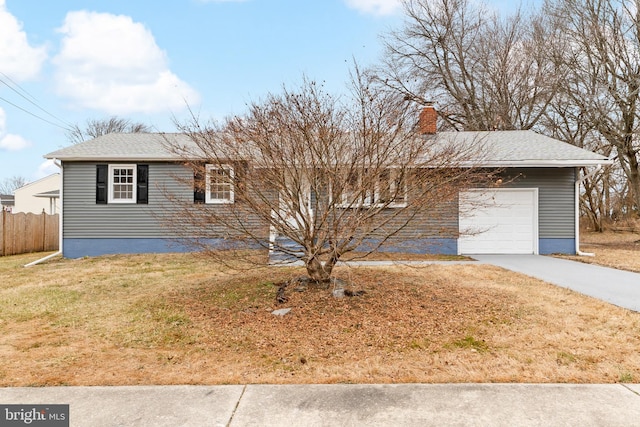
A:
x: 179, y: 319
x: 617, y: 249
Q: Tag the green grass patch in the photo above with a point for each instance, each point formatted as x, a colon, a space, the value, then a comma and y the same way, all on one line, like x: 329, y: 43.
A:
x: 28, y: 303
x: 471, y: 343
x: 565, y: 358
x: 155, y: 323
x: 625, y: 377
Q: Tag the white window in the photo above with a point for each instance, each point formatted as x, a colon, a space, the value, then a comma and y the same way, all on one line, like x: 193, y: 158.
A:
x: 388, y: 189
x: 122, y: 183
x: 391, y: 188
x: 219, y: 184
x: 354, y: 193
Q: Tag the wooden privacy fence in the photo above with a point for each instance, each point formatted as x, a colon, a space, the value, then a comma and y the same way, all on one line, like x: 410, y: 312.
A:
x: 22, y: 233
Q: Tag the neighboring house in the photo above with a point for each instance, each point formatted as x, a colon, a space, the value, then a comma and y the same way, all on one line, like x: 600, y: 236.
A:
x: 39, y: 196
x: 114, y: 193
x: 6, y: 202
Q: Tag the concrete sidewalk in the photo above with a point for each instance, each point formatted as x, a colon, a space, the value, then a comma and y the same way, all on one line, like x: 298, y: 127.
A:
x: 342, y: 405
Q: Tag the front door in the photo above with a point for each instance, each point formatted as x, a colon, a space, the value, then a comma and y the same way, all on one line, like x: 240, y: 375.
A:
x: 295, y: 206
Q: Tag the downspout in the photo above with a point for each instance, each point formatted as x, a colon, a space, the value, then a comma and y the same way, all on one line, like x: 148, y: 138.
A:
x: 59, y: 252
x: 577, y: 210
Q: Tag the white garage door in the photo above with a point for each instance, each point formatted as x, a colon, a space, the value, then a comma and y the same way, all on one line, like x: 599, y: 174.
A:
x: 503, y: 221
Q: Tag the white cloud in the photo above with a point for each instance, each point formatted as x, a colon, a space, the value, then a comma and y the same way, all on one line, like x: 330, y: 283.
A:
x: 111, y: 63
x: 375, y: 7
x: 46, y: 168
x: 18, y: 59
x: 10, y: 142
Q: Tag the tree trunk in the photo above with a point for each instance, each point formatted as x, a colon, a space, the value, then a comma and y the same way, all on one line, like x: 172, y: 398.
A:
x: 634, y: 183
x: 317, y: 271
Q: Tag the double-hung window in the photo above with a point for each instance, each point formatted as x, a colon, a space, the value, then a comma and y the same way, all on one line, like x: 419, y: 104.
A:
x: 386, y: 189
x: 390, y: 188
x: 122, y: 183
x: 219, y: 184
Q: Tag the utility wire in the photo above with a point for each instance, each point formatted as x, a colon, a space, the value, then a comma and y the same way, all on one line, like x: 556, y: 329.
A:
x: 34, y: 115
x: 32, y: 101
x: 14, y: 83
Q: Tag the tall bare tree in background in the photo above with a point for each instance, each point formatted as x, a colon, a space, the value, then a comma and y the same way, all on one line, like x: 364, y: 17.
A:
x: 566, y: 121
x: 599, y: 52
x: 329, y: 175
x: 483, y: 72
x: 95, y: 128
x: 570, y: 70
x: 9, y: 185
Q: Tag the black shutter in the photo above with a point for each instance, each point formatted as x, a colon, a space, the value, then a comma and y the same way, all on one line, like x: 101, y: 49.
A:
x: 142, y: 190
x: 102, y: 176
x: 198, y: 184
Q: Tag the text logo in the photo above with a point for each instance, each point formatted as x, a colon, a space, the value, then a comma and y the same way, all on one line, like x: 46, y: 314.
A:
x: 34, y: 415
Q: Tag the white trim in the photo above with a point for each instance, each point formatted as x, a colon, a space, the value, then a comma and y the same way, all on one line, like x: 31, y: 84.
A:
x: 207, y: 194
x: 533, y: 163
x: 60, y: 224
x: 576, y: 190
x: 535, y: 217
x: 368, y: 203
x: 470, y: 163
x: 295, y: 220
x: 134, y: 183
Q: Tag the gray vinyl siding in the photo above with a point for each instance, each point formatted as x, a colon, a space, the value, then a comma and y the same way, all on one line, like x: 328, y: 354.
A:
x: 438, y: 221
x: 556, y: 207
x: 556, y: 198
x: 83, y: 218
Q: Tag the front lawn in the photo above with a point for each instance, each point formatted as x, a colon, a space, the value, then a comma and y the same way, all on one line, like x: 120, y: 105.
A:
x: 181, y: 319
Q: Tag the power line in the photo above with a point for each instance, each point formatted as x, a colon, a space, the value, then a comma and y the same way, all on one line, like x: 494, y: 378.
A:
x: 34, y: 115
x: 15, y: 84
x: 32, y: 101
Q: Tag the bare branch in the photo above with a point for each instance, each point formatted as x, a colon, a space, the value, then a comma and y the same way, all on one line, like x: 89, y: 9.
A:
x: 95, y: 128
x: 315, y: 176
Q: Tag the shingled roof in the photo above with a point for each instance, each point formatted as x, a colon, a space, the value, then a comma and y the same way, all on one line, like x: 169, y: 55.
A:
x: 521, y: 148
x: 497, y: 149
x: 123, y: 146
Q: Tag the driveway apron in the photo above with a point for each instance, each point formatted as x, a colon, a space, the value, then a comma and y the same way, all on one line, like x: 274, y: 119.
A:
x: 618, y: 287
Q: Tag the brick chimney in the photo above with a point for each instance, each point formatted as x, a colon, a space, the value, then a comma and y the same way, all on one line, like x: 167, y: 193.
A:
x: 427, y: 121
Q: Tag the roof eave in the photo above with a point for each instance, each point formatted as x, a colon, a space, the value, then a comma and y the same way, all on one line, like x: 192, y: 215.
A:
x: 113, y: 159
x: 484, y: 164
x: 538, y: 163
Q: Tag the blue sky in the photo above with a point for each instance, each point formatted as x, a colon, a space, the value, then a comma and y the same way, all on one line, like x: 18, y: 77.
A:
x: 69, y: 61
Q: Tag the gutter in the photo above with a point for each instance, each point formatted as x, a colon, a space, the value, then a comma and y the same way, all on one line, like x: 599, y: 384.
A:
x: 534, y: 163
x: 59, y: 252
x: 577, y: 210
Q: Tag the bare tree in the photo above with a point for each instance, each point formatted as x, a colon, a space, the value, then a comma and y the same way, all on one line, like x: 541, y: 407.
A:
x: 570, y: 70
x: 484, y: 72
x: 599, y: 51
x: 95, y: 128
x: 565, y: 121
x: 317, y: 177
x: 9, y: 185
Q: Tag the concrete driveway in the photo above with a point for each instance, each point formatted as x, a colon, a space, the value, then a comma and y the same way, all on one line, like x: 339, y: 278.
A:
x: 618, y: 287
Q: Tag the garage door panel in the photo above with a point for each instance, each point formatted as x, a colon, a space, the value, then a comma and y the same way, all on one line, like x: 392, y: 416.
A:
x: 498, y: 221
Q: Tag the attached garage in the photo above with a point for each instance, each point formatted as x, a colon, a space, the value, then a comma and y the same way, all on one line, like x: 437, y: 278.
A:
x: 499, y: 221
